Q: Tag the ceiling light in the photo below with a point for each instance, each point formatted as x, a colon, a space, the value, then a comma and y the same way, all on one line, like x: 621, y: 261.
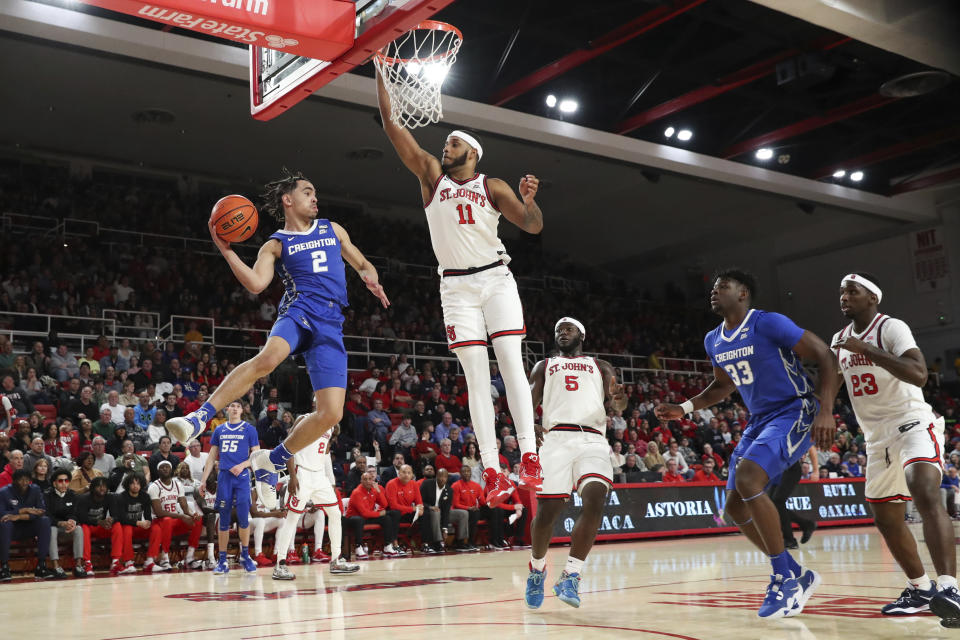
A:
x: 684, y: 135
x: 551, y: 101
x: 669, y: 132
x: 856, y: 176
x: 435, y: 72
x: 764, y: 153
x: 839, y: 173
x: 568, y: 106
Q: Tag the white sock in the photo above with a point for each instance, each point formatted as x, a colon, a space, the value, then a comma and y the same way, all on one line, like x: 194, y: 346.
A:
x: 318, y: 527
x: 286, y: 534
x: 923, y: 583
x: 149, y: 560
x: 538, y: 563
x: 476, y: 369
x: 945, y: 582
x: 574, y: 565
x: 190, y: 552
x: 335, y: 530
x: 510, y: 362
x: 210, y: 551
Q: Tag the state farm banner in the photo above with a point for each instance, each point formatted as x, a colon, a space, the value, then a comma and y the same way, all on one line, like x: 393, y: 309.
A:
x: 319, y: 29
x: 928, y: 257
x: 660, y: 510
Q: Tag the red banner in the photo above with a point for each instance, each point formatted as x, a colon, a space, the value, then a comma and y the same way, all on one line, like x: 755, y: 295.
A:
x: 319, y: 29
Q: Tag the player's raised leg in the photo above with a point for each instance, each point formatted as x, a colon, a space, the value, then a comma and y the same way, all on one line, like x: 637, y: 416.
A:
x: 509, y: 354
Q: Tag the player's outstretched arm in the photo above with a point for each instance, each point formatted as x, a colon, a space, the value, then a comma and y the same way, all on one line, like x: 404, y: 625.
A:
x: 366, y: 270
x: 524, y: 211
x: 613, y: 391
x: 719, y: 388
x: 810, y: 347
x: 422, y: 164
x: 254, y: 279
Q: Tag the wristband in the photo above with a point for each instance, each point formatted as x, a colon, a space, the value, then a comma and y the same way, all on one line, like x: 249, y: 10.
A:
x: 687, y: 407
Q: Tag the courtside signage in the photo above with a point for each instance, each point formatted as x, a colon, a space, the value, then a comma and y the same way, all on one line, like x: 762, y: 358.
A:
x: 320, y: 29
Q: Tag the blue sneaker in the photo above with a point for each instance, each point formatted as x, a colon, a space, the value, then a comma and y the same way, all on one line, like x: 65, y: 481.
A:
x: 221, y: 569
x: 186, y: 428
x: 266, y: 475
x: 946, y: 604
x: 567, y: 588
x: 534, y: 595
x: 248, y: 564
x: 782, y: 595
x: 911, y: 601
x: 809, y: 580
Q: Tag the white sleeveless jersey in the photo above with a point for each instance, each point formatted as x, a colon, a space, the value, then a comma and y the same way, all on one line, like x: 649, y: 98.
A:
x: 573, y: 393
x: 316, y: 456
x: 881, y: 401
x: 167, y: 494
x: 463, y: 224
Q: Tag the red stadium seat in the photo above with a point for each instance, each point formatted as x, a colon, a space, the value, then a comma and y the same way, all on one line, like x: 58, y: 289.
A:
x: 48, y: 410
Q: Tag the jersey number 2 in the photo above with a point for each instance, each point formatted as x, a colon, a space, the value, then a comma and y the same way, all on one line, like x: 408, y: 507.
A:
x: 322, y: 447
x: 865, y: 385
x: 468, y: 218
x: 319, y: 257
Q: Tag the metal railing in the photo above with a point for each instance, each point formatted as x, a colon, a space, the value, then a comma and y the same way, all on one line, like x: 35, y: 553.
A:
x: 75, y: 331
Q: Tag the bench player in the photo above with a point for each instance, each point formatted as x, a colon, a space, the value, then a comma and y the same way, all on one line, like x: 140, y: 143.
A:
x: 311, y: 480
x: 574, y: 453
x: 308, y: 254
x: 884, y: 372
x: 477, y: 290
x: 758, y: 354
x: 232, y: 444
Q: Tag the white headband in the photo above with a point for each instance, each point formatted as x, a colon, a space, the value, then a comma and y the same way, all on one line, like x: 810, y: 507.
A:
x: 469, y: 139
x: 863, y: 282
x: 573, y: 321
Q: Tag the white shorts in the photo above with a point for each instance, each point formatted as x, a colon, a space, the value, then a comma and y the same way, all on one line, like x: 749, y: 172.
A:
x: 313, y: 486
x: 481, y: 305
x: 887, y: 458
x: 571, y: 459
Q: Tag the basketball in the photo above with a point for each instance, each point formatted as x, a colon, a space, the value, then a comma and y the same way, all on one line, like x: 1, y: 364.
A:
x: 234, y: 218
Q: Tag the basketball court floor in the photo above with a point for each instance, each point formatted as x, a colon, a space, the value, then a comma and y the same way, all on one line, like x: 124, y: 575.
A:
x: 693, y: 588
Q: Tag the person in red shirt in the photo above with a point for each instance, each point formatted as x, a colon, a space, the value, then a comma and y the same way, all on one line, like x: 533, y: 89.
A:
x: 467, y: 497
x: 671, y: 474
x: 368, y: 505
x: 403, y: 496
x: 706, y: 474
x: 709, y: 453
x: 448, y: 461
x: 497, y: 516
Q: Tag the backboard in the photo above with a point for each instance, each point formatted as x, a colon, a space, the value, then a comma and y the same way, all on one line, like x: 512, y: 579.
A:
x: 279, y: 80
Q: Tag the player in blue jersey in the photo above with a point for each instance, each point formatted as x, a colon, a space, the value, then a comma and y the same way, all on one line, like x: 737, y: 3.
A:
x: 758, y: 354
x: 308, y: 254
x: 233, y: 443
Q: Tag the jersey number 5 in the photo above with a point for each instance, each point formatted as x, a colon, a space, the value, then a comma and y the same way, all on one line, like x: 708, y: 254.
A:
x: 865, y: 385
x: 572, y: 383
x: 741, y: 374
x: 319, y: 257
x: 468, y: 218
x: 230, y: 446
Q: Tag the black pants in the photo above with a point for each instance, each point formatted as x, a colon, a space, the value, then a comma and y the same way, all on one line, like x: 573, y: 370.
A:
x: 388, y: 523
x: 38, y: 527
x: 426, y: 534
x: 779, y: 494
x: 497, y: 519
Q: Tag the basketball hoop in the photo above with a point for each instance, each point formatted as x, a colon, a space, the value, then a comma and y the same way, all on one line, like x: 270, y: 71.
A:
x: 413, y: 69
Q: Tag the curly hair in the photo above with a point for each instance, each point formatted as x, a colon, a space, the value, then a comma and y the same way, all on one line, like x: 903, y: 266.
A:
x: 273, y: 196
x: 747, y: 279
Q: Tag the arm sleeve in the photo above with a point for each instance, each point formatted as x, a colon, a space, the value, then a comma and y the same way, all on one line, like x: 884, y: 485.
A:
x: 896, y: 337
x: 780, y: 329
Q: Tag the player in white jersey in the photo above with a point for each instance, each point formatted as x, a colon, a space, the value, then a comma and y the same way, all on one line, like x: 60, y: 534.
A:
x: 575, y: 454
x: 477, y: 290
x: 310, y: 482
x: 174, y: 516
x: 884, y: 372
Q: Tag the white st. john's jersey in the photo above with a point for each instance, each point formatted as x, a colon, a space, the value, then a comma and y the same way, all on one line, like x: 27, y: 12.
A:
x: 463, y: 224
x: 316, y: 456
x: 880, y: 400
x: 573, y: 393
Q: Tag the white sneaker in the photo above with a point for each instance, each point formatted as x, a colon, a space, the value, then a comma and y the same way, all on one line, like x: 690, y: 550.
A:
x: 266, y: 475
x: 153, y: 567
x: 282, y: 572
x: 127, y: 570
x: 342, y: 566
x: 390, y: 552
x: 184, y: 429
x: 209, y: 564
x: 361, y: 552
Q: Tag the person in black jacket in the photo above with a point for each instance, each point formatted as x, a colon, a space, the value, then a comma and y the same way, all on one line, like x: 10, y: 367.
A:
x: 437, y: 498
x: 62, y: 511
x: 23, y: 515
x: 133, y: 514
x: 93, y: 513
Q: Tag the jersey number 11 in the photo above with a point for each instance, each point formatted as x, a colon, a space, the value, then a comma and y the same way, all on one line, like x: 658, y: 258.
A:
x: 468, y: 218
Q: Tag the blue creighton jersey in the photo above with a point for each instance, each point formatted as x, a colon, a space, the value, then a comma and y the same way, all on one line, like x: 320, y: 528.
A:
x: 234, y: 441
x: 758, y: 356
x: 311, y: 265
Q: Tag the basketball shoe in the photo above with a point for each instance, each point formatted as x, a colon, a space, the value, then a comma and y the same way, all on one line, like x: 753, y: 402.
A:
x: 496, y: 486
x: 187, y: 428
x: 782, y: 595
x: 568, y: 589
x: 946, y: 604
x: 911, y: 601
x: 534, y: 594
x: 248, y: 564
x: 266, y: 474
x: 340, y: 566
x: 292, y: 557
x: 809, y: 580
x: 262, y: 560
x: 221, y: 569
x: 531, y: 475
x: 320, y: 556
x: 281, y: 572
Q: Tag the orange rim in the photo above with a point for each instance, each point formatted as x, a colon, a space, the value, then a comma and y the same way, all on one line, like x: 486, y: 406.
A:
x: 426, y: 25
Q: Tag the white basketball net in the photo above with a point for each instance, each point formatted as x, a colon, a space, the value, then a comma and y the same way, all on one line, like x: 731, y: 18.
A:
x: 413, y: 69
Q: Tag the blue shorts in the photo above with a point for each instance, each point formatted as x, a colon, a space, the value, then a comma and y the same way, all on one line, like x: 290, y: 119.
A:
x: 777, y: 441
x: 233, y: 491
x: 314, y: 328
